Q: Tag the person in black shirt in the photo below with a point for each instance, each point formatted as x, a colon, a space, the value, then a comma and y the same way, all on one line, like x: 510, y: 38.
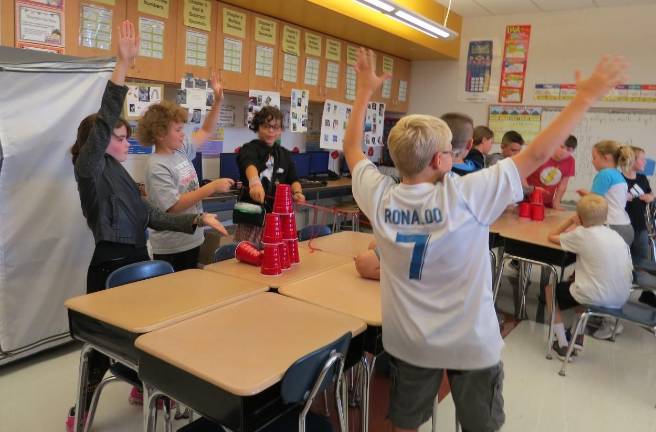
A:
x: 264, y: 163
x: 483, y: 140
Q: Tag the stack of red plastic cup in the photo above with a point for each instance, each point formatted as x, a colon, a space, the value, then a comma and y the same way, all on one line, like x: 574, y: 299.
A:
x: 537, y: 205
x: 272, y: 239
x: 290, y: 237
x: 283, y: 206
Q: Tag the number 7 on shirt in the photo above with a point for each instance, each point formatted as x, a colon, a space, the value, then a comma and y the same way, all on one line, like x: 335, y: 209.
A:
x: 418, y: 252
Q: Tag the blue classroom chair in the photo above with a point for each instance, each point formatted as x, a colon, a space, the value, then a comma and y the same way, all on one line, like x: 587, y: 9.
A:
x: 299, y: 386
x: 314, y: 231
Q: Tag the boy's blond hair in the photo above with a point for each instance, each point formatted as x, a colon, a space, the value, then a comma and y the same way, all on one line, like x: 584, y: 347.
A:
x: 415, y: 139
x: 156, y: 121
x: 592, y: 210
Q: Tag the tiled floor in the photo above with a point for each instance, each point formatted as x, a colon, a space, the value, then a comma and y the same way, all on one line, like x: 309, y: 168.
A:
x: 611, y: 387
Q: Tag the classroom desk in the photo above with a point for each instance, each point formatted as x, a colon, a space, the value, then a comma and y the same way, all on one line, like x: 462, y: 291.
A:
x: 346, y: 243
x: 527, y: 240
x: 231, y: 374
x: 343, y: 290
x: 311, y: 263
x: 110, y: 321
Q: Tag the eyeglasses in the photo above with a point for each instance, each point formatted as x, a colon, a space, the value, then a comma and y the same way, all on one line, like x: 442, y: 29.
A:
x: 453, y: 153
x: 272, y: 127
x: 119, y: 138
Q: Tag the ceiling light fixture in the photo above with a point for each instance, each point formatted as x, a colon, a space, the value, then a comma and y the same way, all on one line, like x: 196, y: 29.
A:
x: 411, y: 19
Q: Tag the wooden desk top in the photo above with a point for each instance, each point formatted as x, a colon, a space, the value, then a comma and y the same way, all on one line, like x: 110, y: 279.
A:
x: 343, y: 290
x: 150, y: 304
x: 312, y: 263
x: 347, y: 243
x: 246, y: 347
x: 511, y: 226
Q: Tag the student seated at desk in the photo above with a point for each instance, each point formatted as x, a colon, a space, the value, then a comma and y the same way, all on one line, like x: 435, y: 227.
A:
x: 553, y: 176
x: 603, y: 269
x: 462, y: 130
x: 432, y: 231
x: 483, y: 141
x: 171, y: 181
x: 111, y: 203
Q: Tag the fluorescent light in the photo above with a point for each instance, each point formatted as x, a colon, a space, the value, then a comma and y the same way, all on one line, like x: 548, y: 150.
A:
x: 429, y: 27
x: 379, y: 5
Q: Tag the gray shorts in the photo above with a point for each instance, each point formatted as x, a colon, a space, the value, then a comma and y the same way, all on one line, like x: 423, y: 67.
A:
x: 477, y: 395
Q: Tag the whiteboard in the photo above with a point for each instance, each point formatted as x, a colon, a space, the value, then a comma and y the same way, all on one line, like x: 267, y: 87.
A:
x: 636, y: 128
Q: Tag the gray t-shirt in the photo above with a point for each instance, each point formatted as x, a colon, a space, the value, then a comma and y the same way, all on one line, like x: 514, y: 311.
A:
x: 167, y: 178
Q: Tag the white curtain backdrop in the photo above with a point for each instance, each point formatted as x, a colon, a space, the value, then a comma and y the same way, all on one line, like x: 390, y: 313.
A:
x: 45, y: 245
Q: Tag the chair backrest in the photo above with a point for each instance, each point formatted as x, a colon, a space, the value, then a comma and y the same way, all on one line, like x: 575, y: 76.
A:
x: 313, y: 231
x: 225, y: 252
x: 138, y: 271
x: 311, y: 373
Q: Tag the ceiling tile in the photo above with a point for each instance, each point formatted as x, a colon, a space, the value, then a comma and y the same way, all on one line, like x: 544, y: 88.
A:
x: 558, y: 5
x: 506, y: 7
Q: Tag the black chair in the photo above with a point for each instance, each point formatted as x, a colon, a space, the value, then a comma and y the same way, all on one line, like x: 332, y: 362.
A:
x: 314, y: 231
x: 127, y: 274
x: 299, y: 386
x: 225, y: 252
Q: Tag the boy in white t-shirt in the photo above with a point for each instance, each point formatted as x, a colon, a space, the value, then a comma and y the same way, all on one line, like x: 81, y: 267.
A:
x: 603, y: 271
x: 432, y: 235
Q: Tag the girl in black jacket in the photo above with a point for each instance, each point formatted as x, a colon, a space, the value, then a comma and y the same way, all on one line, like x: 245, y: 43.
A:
x: 111, y: 203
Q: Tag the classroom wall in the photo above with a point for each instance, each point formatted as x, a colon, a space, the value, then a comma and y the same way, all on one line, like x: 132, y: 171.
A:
x: 560, y: 43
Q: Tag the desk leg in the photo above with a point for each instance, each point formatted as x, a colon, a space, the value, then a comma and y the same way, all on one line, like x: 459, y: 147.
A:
x: 82, y: 384
x: 367, y: 372
x: 341, y: 397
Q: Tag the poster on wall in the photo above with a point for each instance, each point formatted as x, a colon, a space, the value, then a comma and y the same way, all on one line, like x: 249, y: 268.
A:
x: 152, y: 38
x: 513, y: 67
x: 640, y: 93
x: 299, y: 110
x: 373, y: 125
x: 257, y: 99
x: 527, y: 120
x: 40, y: 27
x: 140, y: 97
x: 333, y: 124
x: 95, y: 27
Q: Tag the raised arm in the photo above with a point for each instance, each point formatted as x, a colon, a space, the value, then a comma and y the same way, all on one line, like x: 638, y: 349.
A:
x: 610, y: 71
x: 367, y: 84
x: 209, y: 125
x: 91, y: 158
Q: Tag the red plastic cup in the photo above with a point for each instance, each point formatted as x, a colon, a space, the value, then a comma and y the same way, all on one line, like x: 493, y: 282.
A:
x: 537, y: 212
x: 247, y: 252
x: 292, y: 248
x: 283, y: 202
x: 288, y: 226
x: 524, y: 210
x: 285, y: 262
x: 271, y: 265
x: 536, y: 197
x: 272, y: 232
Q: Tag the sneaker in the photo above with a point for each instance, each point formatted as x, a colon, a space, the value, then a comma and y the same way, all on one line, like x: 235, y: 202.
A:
x: 648, y: 298
x: 605, y: 332
x: 578, y: 343
x: 70, y: 420
x: 561, y: 352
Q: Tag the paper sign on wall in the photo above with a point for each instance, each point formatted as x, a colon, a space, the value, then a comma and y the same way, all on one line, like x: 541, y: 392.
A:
x: 232, y: 52
x: 95, y: 27
x: 312, y: 44
x: 333, y: 50
x: 291, y: 40
x: 265, y: 31
x: 373, y: 125
x: 299, y: 110
x: 196, y: 52
x: 198, y: 14
x: 257, y: 99
x: 333, y: 124
x: 152, y: 38
x: 513, y: 68
x: 40, y: 25
x: 158, y: 8
x: 388, y: 67
x: 350, y: 82
x: 264, y: 61
x: 140, y: 97
x: 527, y: 120
x: 332, y: 75
x: 234, y: 23
x: 351, y: 55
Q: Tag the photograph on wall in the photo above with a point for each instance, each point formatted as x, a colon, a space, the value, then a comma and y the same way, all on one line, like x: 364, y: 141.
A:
x: 258, y: 99
x: 299, y: 110
x: 373, y: 125
x: 140, y: 97
x: 333, y: 124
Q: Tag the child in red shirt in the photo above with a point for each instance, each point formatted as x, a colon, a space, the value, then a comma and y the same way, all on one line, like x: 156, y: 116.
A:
x: 554, y: 174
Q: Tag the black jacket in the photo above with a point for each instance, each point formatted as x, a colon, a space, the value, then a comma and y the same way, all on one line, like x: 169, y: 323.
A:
x: 110, y: 199
x: 257, y: 153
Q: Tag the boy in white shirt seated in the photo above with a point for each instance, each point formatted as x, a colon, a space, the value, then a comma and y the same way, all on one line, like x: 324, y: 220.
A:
x: 432, y: 234
x: 603, y: 270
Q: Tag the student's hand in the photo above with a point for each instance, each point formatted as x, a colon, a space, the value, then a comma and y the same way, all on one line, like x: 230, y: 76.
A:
x: 575, y: 220
x: 217, y: 87
x: 647, y: 198
x: 609, y: 72
x: 629, y: 197
x: 221, y: 185
x: 210, y: 220
x: 299, y: 197
x: 368, y: 82
x: 556, y: 206
x: 582, y: 192
x: 128, y: 42
x: 256, y: 193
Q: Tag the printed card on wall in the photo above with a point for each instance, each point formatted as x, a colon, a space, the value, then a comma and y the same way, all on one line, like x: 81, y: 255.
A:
x: 299, y: 110
x: 333, y: 124
x: 479, y: 72
x: 40, y: 27
x: 373, y: 129
x: 257, y: 99
x: 513, y: 68
x: 95, y: 27
x: 641, y: 93
x: 140, y: 97
x: 527, y: 120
